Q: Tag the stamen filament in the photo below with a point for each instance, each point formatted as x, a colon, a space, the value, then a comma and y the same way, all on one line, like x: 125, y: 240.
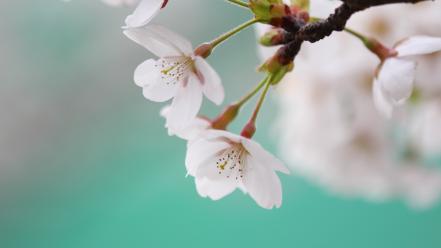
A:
x: 171, y: 68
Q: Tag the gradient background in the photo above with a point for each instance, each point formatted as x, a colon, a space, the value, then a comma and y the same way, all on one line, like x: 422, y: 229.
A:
x: 85, y: 160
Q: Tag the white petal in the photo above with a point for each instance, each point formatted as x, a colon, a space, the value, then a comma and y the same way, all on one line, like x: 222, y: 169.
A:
x: 263, y: 156
x: 177, y: 40
x: 155, y: 89
x: 262, y: 184
x: 208, y: 169
x: 215, y: 190
x: 396, y: 78
x: 164, y: 111
x: 222, y: 134
x: 380, y: 102
x: 200, y: 151
x: 144, y: 13
x: 146, y: 73
x: 418, y: 45
x: 160, y: 41
x: 212, y: 84
x: 186, y: 104
x: 192, y: 131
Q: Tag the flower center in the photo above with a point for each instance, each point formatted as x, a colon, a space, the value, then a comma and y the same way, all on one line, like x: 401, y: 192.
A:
x: 231, y: 163
x: 174, y: 69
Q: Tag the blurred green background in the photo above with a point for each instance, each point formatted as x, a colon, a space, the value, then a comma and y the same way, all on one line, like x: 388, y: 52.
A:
x: 85, y: 160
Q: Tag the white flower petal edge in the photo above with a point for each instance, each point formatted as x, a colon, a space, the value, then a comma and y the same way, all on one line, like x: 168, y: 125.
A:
x: 221, y: 162
x: 186, y: 104
x: 144, y: 13
x: 212, y: 88
x: 160, y: 41
x: 380, y: 101
x: 418, y: 45
x: 393, y: 84
x: 178, y: 74
x: 189, y: 132
x: 396, y: 79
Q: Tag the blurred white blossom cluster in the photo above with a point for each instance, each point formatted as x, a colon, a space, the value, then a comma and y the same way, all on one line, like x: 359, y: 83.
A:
x: 357, y: 114
x: 330, y: 128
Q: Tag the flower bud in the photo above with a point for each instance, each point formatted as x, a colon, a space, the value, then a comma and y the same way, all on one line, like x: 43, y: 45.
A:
x: 265, y: 10
x: 275, y: 37
x: 301, y: 4
x: 277, y: 68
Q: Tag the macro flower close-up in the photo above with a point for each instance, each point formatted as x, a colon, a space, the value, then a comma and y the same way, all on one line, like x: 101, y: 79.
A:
x: 165, y: 123
x: 221, y: 162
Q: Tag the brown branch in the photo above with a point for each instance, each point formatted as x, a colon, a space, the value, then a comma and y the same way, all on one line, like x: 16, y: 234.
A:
x: 363, y: 4
x: 316, y: 31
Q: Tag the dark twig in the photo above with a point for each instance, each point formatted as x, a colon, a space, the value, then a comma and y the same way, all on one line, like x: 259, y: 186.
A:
x: 316, y: 31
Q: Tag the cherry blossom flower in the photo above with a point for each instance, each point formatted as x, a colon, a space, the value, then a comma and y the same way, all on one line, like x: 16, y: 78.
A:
x: 145, y: 12
x: 221, y: 162
x: 178, y: 74
x: 394, y: 82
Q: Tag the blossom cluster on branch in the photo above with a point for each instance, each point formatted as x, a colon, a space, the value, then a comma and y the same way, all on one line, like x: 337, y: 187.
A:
x: 221, y: 161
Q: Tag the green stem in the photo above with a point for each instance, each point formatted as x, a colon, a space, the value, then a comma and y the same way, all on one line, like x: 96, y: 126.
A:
x: 361, y: 37
x: 252, y: 93
x: 231, y: 33
x: 261, y: 100
x: 239, y: 3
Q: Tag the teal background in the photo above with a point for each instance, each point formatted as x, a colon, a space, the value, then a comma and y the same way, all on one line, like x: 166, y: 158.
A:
x: 86, y: 162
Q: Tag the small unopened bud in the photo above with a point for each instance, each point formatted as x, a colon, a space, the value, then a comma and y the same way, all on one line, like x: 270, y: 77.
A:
x: 221, y: 122
x: 277, y: 68
x: 279, y: 10
x: 248, y: 130
x: 203, y: 50
x: 303, y: 15
x: 278, y: 75
x: 301, y: 4
x: 265, y: 10
x: 277, y: 61
x: 274, y: 37
x: 290, y: 23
